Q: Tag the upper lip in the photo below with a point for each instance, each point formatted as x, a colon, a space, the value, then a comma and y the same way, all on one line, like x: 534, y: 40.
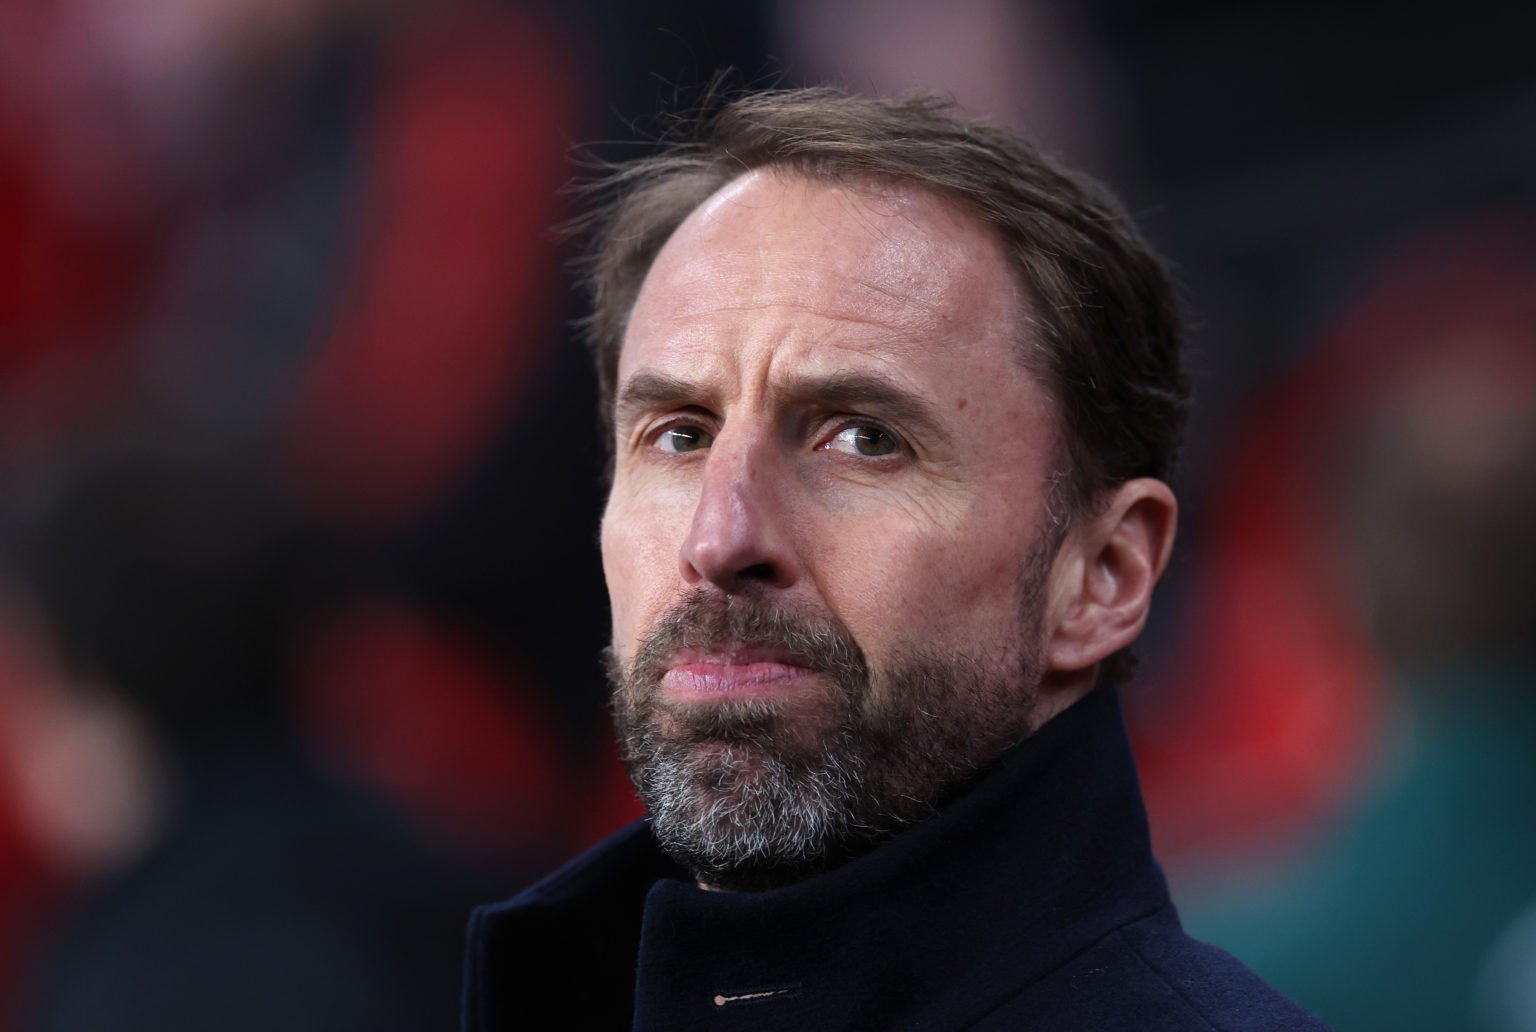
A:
x: 734, y: 655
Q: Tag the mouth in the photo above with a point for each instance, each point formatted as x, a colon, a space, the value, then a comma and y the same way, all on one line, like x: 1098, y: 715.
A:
x: 731, y: 673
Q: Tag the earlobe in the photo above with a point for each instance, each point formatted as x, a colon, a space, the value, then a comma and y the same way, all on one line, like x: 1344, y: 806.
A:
x: 1120, y: 552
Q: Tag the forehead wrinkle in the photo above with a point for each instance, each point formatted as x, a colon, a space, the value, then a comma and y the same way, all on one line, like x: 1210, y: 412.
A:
x: 697, y: 296
x: 891, y: 263
x: 907, y: 298
x: 886, y: 330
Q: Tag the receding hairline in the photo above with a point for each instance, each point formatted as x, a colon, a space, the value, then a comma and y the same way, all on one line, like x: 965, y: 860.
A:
x: 1026, y: 333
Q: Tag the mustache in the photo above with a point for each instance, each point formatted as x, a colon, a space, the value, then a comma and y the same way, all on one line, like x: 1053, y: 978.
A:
x: 707, y: 621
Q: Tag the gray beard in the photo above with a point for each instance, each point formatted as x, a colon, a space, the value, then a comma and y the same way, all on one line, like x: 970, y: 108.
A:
x: 747, y: 798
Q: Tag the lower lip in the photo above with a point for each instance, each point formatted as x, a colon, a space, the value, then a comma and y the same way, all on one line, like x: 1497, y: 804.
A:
x: 704, y: 681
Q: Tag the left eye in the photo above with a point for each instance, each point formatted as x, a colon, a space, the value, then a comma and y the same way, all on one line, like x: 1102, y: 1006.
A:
x: 684, y: 438
x: 868, y: 441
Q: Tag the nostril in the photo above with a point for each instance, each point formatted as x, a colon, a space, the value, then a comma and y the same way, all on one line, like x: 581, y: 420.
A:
x: 737, y: 539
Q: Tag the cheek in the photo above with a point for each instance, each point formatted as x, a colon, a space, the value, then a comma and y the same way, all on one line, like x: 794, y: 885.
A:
x: 640, y: 542
x: 901, y: 586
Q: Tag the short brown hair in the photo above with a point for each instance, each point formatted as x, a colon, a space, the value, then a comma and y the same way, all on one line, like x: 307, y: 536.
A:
x: 1104, y: 328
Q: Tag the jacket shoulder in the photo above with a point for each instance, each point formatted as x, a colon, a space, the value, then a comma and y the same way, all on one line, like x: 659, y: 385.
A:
x: 1149, y: 976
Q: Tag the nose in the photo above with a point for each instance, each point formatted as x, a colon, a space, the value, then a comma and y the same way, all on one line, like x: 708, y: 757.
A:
x: 740, y: 538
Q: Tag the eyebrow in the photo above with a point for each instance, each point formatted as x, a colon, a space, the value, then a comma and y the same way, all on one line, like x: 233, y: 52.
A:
x: 872, y: 393
x: 645, y: 391
x: 845, y: 389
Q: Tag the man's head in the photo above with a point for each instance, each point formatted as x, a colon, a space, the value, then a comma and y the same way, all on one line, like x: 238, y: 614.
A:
x: 891, y: 399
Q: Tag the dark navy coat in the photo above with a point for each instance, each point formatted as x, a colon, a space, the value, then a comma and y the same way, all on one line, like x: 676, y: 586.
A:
x: 1032, y: 901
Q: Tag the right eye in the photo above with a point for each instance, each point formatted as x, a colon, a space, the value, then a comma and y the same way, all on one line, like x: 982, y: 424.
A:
x: 867, y: 441
x: 683, y: 438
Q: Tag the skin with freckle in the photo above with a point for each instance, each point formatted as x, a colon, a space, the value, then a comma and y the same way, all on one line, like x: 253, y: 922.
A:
x: 805, y: 574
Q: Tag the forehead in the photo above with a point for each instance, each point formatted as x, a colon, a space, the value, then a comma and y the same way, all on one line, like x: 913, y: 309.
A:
x: 803, y: 270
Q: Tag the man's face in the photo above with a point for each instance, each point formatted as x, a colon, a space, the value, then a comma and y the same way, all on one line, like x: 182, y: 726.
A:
x: 827, y: 545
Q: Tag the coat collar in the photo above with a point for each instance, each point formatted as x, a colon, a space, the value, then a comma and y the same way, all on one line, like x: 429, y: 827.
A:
x: 1032, y: 863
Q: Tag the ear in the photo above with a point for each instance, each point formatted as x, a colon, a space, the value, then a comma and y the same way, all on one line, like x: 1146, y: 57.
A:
x: 1111, y: 561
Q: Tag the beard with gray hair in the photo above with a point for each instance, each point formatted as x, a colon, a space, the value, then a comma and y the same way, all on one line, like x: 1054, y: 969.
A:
x: 755, y: 793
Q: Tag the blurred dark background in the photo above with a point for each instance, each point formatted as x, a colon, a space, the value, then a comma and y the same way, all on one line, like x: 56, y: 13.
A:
x: 282, y: 309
